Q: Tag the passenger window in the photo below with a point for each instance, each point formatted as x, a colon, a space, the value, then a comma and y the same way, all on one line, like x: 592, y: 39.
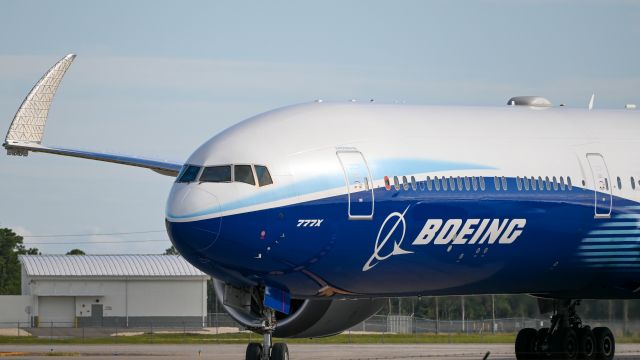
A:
x: 413, y: 183
x: 525, y: 182
x: 540, y: 183
x: 518, y: 183
x: 189, y: 173
x: 387, y: 183
x: 459, y: 181
x: 562, y: 187
x: 467, y: 183
x: 496, y: 183
x: 569, y: 185
x: 547, y: 183
x: 633, y: 183
x: 482, y: 186
x: 263, y: 175
x: 444, y: 183
x: 555, y: 183
x: 606, y: 183
x: 428, y: 183
x: 452, y: 183
x: 422, y: 185
x: 436, y: 183
x: 474, y: 183
x: 366, y: 183
x: 405, y: 184
x: 533, y: 184
x: 619, y: 183
x: 396, y: 183
x: 504, y: 183
x: 216, y: 174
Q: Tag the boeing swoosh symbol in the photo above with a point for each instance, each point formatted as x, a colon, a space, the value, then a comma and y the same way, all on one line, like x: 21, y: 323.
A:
x: 397, y: 250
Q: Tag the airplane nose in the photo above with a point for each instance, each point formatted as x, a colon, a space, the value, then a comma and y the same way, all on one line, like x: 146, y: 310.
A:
x: 187, y: 208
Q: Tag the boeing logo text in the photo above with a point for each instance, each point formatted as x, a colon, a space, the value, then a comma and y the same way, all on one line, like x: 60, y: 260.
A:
x: 471, y: 231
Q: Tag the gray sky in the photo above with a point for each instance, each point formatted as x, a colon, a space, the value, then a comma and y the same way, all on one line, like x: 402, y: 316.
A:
x: 158, y: 78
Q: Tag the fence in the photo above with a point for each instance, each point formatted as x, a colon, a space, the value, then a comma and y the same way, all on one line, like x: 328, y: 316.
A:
x: 217, y: 323
x: 415, y: 325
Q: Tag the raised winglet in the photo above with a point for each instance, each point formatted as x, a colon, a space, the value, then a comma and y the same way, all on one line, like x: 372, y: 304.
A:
x: 27, y: 127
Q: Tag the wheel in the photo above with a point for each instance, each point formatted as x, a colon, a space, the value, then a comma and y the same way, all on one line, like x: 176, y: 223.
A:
x: 543, y: 343
x: 280, y: 351
x: 254, y: 351
x: 564, y: 344
x: 526, y: 344
x: 605, y: 344
x: 586, y: 343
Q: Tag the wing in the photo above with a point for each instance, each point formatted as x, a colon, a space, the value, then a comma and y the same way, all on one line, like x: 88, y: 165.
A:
x: 27, y: 128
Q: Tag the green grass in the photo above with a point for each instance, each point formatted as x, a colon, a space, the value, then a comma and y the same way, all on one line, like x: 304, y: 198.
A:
x: 243, y: 338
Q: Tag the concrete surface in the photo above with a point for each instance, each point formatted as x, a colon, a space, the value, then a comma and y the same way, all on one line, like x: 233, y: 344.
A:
x: 297, y: 351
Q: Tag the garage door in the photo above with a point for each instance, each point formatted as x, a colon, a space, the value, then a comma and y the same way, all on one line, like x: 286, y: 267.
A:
x: 56, y: 310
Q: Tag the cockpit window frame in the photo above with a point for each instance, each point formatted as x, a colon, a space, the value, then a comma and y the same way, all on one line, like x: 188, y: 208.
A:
x: 184, y: 169
x: 253, y: 173
x: 200, y: 181
x: 232, y: 168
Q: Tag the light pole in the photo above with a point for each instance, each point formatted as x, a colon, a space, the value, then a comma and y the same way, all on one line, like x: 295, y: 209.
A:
x: 493, y: 314
x: 462, y: 301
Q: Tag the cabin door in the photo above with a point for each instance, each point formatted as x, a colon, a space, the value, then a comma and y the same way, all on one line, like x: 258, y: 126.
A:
x: 359, y: 184
x: 602, y: 185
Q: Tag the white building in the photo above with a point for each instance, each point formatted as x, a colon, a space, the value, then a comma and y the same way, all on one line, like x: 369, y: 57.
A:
x: 112, y: 290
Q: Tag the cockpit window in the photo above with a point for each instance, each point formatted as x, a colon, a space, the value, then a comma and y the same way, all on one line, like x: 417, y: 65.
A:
x: 216, y: 174
x: 264, y: 178
x: 243, y: 174
x: 188, y: 174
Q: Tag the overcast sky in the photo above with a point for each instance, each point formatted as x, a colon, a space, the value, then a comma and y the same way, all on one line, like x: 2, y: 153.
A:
x: 159, y: 78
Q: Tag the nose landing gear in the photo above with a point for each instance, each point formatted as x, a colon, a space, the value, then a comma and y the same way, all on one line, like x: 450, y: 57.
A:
x: 567, y: 338
x: 267, y: 350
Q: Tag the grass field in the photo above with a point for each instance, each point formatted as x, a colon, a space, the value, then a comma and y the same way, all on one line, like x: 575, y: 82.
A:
x: 240, y: 338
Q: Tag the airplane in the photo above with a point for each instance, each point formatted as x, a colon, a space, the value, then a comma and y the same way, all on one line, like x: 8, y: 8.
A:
x: 308, y: 216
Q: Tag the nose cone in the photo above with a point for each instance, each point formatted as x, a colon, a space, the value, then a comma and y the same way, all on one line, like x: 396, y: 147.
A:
x: 189, y: 215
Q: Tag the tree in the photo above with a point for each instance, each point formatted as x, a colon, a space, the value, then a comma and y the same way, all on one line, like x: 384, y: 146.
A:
x: 171, y: 251
x: 76, y: 252
x: 10, y: 247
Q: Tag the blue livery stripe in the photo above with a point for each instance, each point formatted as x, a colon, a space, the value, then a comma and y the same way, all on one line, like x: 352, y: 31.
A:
x: 627, y: 216
x: 614, y: 232
x: 613, y: 265
x: 620, y: 259
x: 610, y: 239
x: 609, y: 253
x: 596, y: 247
x: 621, y: 224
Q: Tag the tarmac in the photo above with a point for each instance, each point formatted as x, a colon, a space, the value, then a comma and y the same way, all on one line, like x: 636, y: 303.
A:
x: 297, y: 351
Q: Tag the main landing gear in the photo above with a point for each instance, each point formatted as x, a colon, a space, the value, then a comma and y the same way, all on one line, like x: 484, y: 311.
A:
x: 567, y: 338
x: 267, y: 350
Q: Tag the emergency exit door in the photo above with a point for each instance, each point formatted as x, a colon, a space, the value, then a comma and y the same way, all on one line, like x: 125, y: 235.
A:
x: 602, y: 185
x: 359, y: 184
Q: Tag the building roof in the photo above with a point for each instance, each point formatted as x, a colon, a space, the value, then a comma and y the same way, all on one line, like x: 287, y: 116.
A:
x: 109, y: 266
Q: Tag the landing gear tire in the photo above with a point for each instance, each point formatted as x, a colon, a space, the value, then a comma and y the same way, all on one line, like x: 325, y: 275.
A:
x: 526, y: 342
x: 254, y: 351
x: 543, y: 344
x: 564, y: 344
x: 280, y: 351
x: 586, y: 343
x: 605, y: 343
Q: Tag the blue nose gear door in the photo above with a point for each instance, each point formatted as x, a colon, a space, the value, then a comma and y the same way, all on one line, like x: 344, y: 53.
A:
x: 359, y: 184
